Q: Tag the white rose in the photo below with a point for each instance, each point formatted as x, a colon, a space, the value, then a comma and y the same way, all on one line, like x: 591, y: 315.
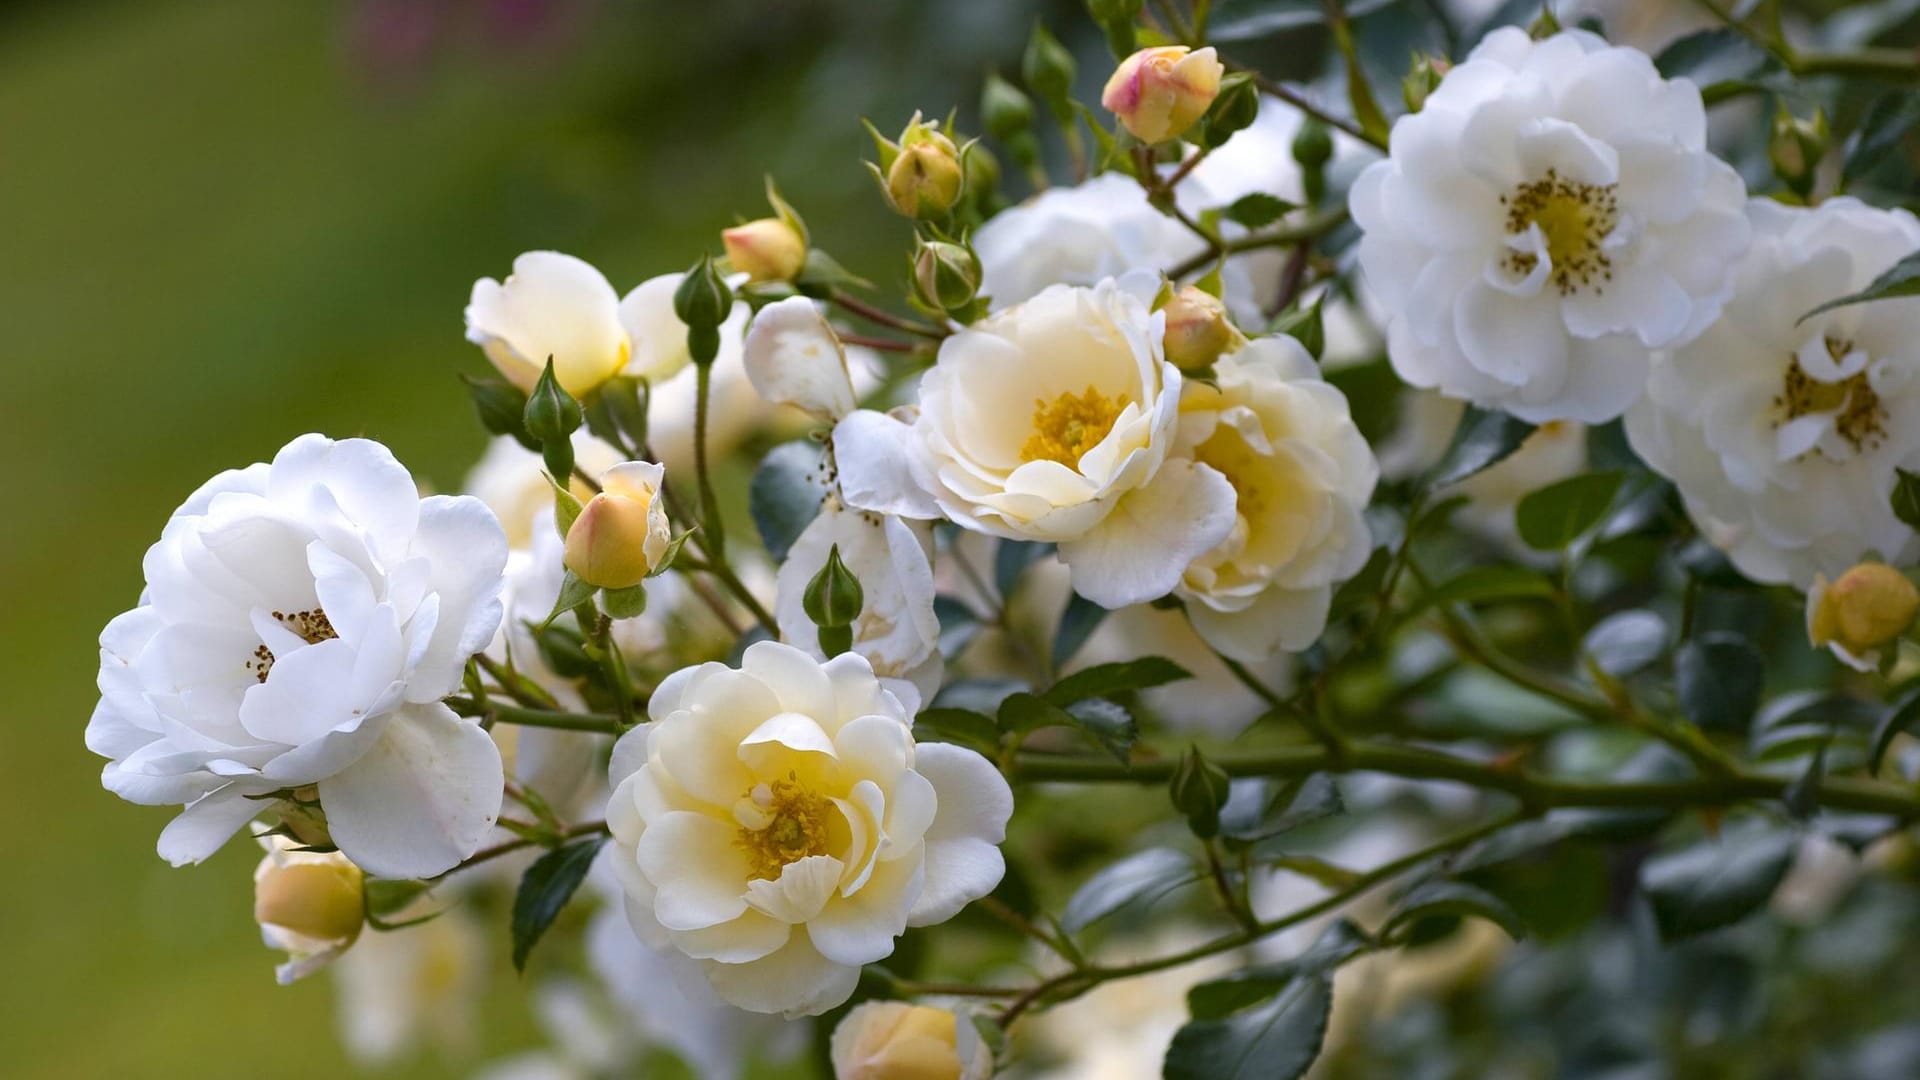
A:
x: 301, y: 623
x: 1051, y: 421
x: 552, y: 307
x: 1550, y: 217
x: 1302, y: 475
x: 896, y: 630
x: 1783, y: 436
x: 777, y: 823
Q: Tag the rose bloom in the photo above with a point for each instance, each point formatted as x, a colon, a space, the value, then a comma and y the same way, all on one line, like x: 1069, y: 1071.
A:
x: 1051, y: 421
x: 894, y: 1040
x: 1550, y: 217
x: 301, y: 623
x: 1784, y: 436
x: 777, y: 823
x: 1302, y: 475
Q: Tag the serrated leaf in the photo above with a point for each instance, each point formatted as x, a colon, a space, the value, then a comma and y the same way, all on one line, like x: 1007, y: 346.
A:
x: 1906, y: 497
x: 1275, y: 1040
x: 1556, y: 515
x: 962, y: 727
x: 1340, y: 942
x: 1716, y: 882
x: 1719, y: 677
x: 1884, y: 127
x: 1900, y: 279
x: 1482, y: 438
x: 1110, y: 724
x: 545, y: 889
x: 1022, y: 712
x: 1442, y: 897
x: 1105, y: 680
x: 785, y: 493
x: 1627, y: 641
x: 1258, y: 210
x: 1077, y: 623
x: 1142, y: 877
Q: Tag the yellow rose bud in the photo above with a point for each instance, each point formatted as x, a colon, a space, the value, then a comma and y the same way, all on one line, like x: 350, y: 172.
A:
x: 621, y: 533
x: 927, y: 178
x: 309, y: 903
x: 892, y: 1040
x: 768, y: 249
x: 1159, y: 93
x: 1868, y: 606
x: 1198, y: 329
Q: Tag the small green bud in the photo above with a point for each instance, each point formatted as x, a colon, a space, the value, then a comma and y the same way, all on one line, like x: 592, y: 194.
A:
x: 1003, y: 108
x: 1048, y: 69
x: 1796, y: 148
x: 833, y: 599
x: 551, y: 417
x: 703, y: 301
x: 1233, y: 111
x: 983, y: 178
x: 1118, y: 19
x: 1313, y: 148
x: 946, y: 276
x: 502, y: 407
x: 1199, y: 789
x: 1422, y: 79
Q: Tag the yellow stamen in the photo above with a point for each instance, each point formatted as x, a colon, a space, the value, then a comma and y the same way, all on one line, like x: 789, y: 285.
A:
x: 780, y: 823
x: 1069, y: 426
x: 1574, y: 219
x: 1861, y: 418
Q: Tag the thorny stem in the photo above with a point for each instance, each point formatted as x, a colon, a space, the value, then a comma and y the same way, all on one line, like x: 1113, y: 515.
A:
x: 1310, y: 229
x: 883, y: 317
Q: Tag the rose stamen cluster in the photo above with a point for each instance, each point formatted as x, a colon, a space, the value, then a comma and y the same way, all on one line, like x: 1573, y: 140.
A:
x: 1575, y: 219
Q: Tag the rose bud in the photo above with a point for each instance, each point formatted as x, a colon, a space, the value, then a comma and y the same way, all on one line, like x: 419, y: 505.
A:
x: 768, y: 249
x: 892, y: 1040
x: 1159, y: 93
x: 309, y: 903
x: 1198, y: 329
x: 922, y: 174
x: 1867, y: 607
x: 621, y: 534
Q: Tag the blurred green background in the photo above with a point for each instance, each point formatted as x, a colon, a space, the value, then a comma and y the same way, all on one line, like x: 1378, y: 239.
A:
x: 226, y: 222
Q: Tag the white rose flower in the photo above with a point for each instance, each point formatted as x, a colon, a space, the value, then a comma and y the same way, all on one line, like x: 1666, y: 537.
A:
x: 1051, y: 421
x: 897, y: 630
x: 302, y: 621
x: 552, y: 307
x: 1302, y: 475
x: 1099, y: 229
x: 1783, y: 436
x: 777, y: 823
x: 1550, y: 217
x: 794, y: 358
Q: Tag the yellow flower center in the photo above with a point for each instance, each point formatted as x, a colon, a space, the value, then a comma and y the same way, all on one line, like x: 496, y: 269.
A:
x: 1575, y: 219
x: 313, y: 627
x: 780, y: 823
x: 1861, y: 417
x: 1069, y: 426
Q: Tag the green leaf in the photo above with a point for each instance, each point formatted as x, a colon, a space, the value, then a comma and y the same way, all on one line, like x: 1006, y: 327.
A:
x: 1259, y: 808
x: 1802, y: 797
x: 785, y: 493
x: 1718, y: 677
x: 1105, y: 680
x: 545, y: 888
x: 1484, y: 583
x: 1441, y: 898
x: 1199, y: 789
x: 822, y: 273
x: 1275, y: 1040
x: 672, y: 552
x: 1482, y: 438
x: 1110, y: 724
x: 1900, y: 279
x: 1022, y: 712
x: 1906, y: 497
x: 1884, y: 127
x: 1899, y: 717
x: 962, y: 727
x: 958, y: 625
x: 573, y: 593
x: 566, y: 507
x: 1716, y: 882
x: 1710, y: 57
x: 1258, y: 210
x: 1340, y: 942
x: 624, y: 603
x: 1306, y: 326
x: 1142, y: 877
x: 1627, y: 641
x: 1361, y: 587
x: 1077, y: 623
x: 502, y: 408
x: 1556, y: 515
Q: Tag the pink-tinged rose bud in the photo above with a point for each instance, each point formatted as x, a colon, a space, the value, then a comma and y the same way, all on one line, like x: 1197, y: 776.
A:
x: 768, y: 249
x: 892, y: 1040
x: 1198, y: 329
x: 1159, y: 93
x: 621, y: 534
x: 1867, y: 607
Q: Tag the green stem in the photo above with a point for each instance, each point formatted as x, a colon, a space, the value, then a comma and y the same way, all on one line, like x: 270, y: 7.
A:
x: 593, y: 723
x: 1312, y: 228
x: 714, y: 538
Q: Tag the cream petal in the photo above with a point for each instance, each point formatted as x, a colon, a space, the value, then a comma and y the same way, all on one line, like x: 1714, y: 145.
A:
x: 698, y: 873
x: 1140, y: 550
x: 795, y: 980
x: 800, y: 892
x: 422, y: 798
x: 861, y: 928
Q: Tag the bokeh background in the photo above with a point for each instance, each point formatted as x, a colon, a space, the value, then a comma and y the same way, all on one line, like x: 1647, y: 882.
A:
x: 225, y: 222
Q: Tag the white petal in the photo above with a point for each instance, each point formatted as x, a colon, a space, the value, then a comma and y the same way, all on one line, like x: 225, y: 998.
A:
x: 1139, y: 552
x: 552, y: 306
x: 861, y: 928
x: 794, y: 358
x: 699, y: 873
x: 202, y: 827
x: 962, y: 845
x: 424, y: 797
x: 874, y: 455
x: 467, y: 549
x: 1279, y: 620
x: 796, y: 981
x: 801, y: 890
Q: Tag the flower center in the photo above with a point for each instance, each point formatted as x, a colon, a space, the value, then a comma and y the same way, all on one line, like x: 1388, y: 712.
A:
x: 780, y: 823
x: 313, y: 627
x: 1575, y: 219
x: 1069, y: 426
x: 1859, y: 417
